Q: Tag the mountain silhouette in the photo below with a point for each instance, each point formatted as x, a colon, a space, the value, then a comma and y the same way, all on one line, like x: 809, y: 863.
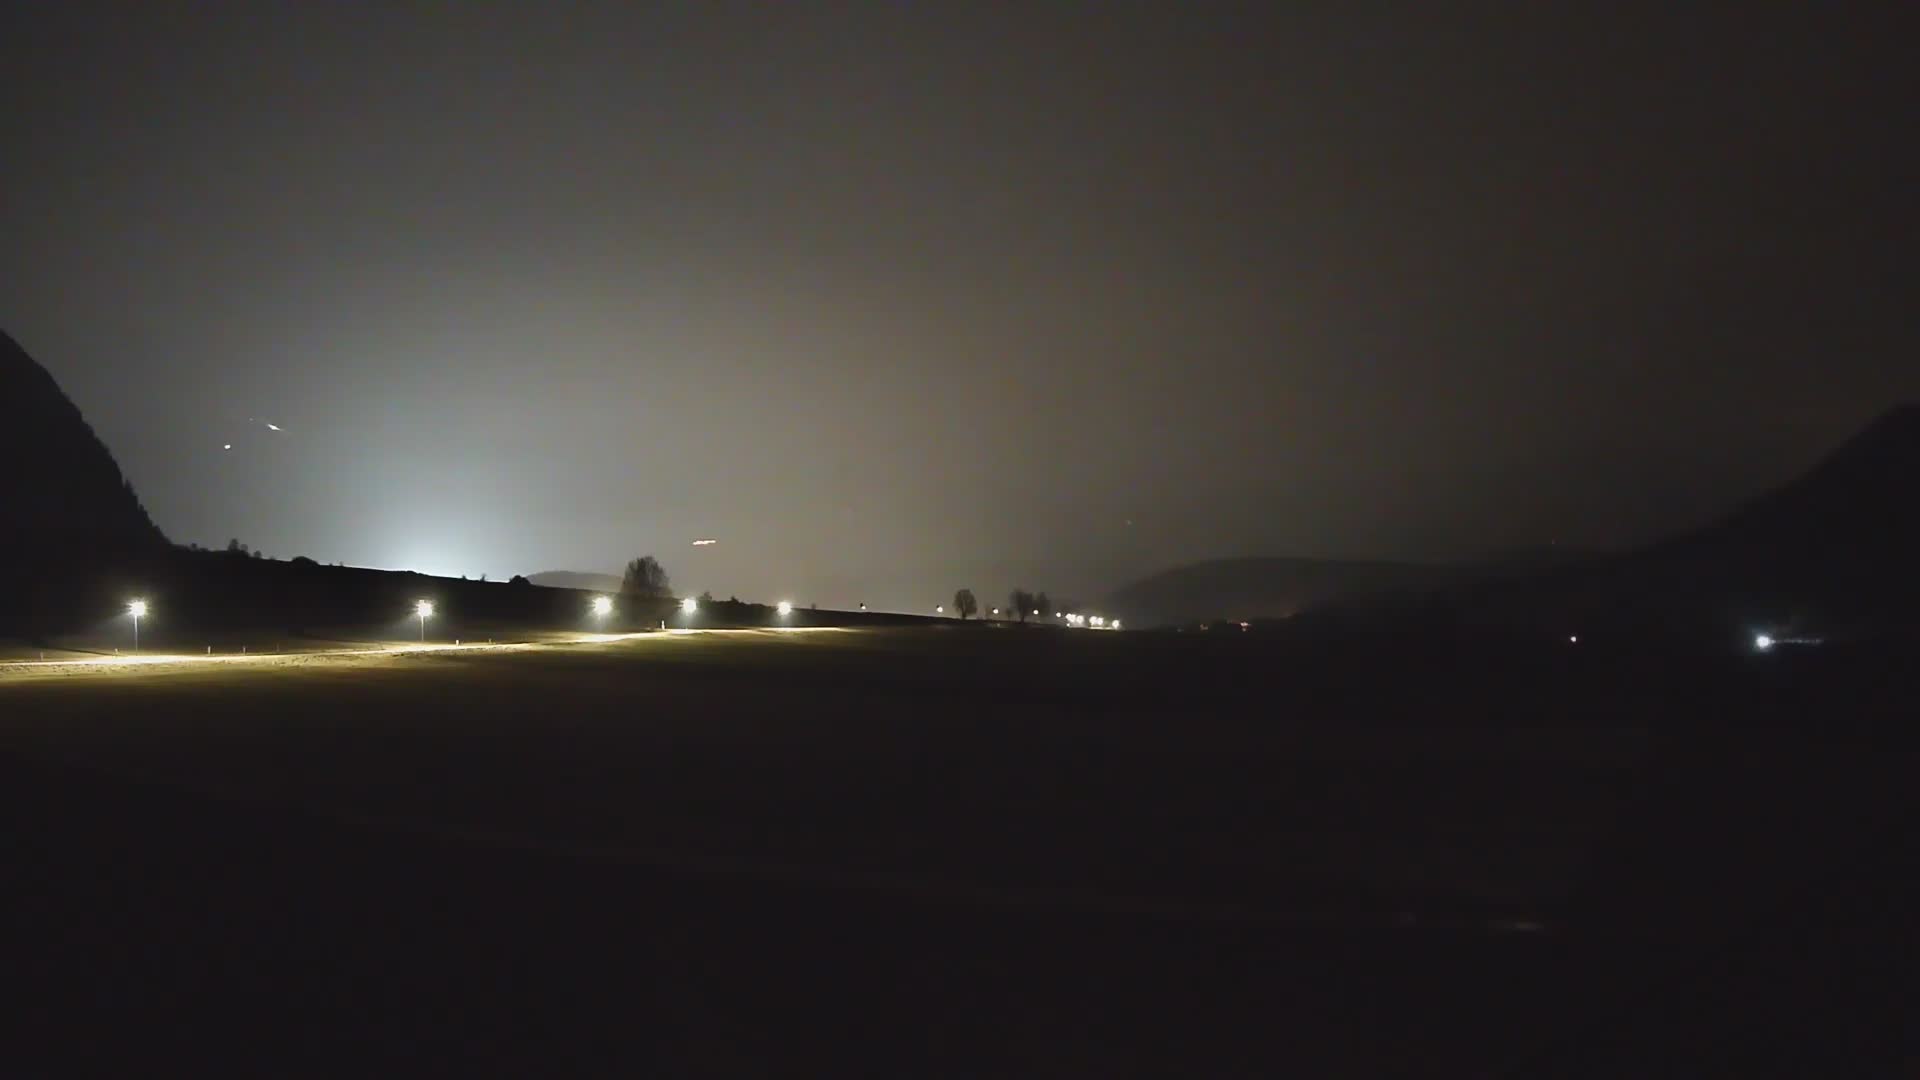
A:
x: 66, y: 500
x: 1266, y: 588
x: 1835, y: 549
x: 1842, y: 539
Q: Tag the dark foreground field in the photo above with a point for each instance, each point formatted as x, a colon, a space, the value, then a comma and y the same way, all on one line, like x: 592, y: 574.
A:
x: 964, y: 853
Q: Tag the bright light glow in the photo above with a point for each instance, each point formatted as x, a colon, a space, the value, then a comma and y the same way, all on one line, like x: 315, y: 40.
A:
x: 785, y: 607
x: 1763, y: 642
x: 939, y: 609
x: 689, y: 606
x: 1099, y: 620
x: 137, y: 609
x: 226, y: 446
x: 704, y: 541
x: 1036, y: 611
x: 1116, y: 625
x: 996, y: 611
x: 1056, y: 614
x: 1573, y: 639
x: 602, y: 605
x: 423, y: 608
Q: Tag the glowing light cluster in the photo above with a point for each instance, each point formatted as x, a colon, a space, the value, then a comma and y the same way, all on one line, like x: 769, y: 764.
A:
x: 602, y: 606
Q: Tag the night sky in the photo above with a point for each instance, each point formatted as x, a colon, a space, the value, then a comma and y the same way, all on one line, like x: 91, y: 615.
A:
x: 896, y: 298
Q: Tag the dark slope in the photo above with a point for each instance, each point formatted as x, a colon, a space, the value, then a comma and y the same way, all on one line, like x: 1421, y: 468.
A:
x: 1261, y: 588
x: 65, y: 495
x: 1836, y: 549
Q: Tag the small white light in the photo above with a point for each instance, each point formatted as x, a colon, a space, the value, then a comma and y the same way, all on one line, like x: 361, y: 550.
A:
x: 939, y: 609
x: 602, y: 605
x: 996, y: 611
x: 1763, y: 642
x: 689, y: 606
x: 137, y: 609
x: 423, y: 608
x: 1573, y: 639
x: 1036, y: 611
x: 1116, y: 625
x: 1056, y: 614
x: 785, y: 607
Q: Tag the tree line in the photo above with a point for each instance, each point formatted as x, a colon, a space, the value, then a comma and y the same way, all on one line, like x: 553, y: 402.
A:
x: 1020, y: 604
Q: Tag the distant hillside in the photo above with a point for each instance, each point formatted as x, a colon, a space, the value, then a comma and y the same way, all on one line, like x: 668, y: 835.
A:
x: 1837, y: 547
x: 1260, y: 588
x: 574, y: 579
x: 66, y: 499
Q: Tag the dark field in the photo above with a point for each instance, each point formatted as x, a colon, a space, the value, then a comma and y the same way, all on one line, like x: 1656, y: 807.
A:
x: 963, y: 852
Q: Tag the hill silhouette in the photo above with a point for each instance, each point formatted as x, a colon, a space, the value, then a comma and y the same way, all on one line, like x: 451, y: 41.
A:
x: 1266, y: 588
x: 1830, y: 551
x: 66, y: 500
x: 576, y: 579
x: 1840, y: 541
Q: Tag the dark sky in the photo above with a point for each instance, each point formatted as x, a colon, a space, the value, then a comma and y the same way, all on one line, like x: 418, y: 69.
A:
x: 898, y: 297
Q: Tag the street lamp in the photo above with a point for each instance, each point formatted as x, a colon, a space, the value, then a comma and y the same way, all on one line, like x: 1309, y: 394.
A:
x: 689, y: 606
x: 939, y: 609
x: 424, y: 609
x: 137, y: 609
x: 785, y: 608
x: 602, y: 607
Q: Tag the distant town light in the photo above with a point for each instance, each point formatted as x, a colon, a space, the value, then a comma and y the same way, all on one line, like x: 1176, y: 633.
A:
x: 1056, y: 614
x: 602, y: 605
x: 1763, y: 642
x: 785, y: 607
x: 1036, y: 611
x: 689, y: 606
x: 1116, y: 625
x: 939, y: 609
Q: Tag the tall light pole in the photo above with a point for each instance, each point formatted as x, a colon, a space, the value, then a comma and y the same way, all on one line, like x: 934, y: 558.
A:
x: 424, y: 609
x: 602, y: 607
x: 137, y: 609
